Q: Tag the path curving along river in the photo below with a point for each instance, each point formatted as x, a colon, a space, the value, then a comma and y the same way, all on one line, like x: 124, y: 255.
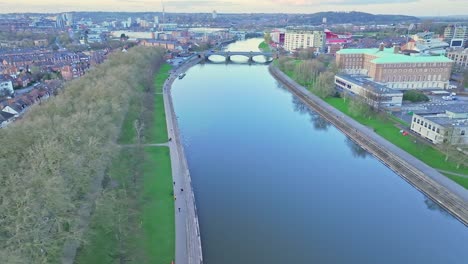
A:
x: 275, y: 183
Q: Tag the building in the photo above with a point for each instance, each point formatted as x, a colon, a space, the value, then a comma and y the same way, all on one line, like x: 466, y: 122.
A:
x: 333, y: 38
x: 169, y: 45
x: 426, y: 42
x: 389, y: 67
x: 304, y: 39
x: 451, y: 126
x: 456, y: 35
x: 278, y: 36
x: 459, y: 56
x: 375, y: 94
x: 6, y: 83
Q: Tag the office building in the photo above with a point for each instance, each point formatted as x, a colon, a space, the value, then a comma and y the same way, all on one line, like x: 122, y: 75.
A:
x: 395, y: 70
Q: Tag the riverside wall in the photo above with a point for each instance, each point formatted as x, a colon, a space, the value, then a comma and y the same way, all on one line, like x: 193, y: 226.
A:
x: 444, y: 192
x: 192, y: 228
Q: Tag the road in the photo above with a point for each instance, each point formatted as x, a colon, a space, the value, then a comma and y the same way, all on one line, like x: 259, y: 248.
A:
x: 188, y: 241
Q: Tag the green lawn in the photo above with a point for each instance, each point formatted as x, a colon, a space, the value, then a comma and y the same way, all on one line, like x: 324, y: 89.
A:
x: 161, y: 77
x: 158, y: 206
x: 158, y: 128
x: 460, y: 180
x: 264, y: 47
x: 387, y: 129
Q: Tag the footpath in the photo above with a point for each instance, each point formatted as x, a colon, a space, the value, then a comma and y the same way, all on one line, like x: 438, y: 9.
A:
x: 442, y: 190
x: 188, y: 241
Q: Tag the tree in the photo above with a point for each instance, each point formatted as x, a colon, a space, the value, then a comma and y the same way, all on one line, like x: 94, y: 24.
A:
x: 358, y: 107
x: 267, y: 38
x: 415, y: 96
x: 465, y: 78
x: 325, y: 85
x: 282, y: 62
x: 305, y: 54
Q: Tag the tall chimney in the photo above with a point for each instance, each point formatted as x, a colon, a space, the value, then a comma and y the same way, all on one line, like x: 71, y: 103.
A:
x: 381, y: 47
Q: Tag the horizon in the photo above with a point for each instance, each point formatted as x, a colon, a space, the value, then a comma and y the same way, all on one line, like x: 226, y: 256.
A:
x: 416, y: 8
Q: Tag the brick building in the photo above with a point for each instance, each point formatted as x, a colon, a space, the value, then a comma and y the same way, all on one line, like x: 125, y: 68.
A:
x: 395, y: 70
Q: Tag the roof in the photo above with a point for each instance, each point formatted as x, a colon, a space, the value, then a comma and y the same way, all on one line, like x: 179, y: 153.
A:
x: 444, y: 120
x: 388, y: 56
x: 366, y: 83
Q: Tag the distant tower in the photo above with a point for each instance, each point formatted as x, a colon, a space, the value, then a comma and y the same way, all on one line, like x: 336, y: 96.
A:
x: 156, y: 20
x: 214, y: 15
x: 324, y: 20
x: 163, y: 13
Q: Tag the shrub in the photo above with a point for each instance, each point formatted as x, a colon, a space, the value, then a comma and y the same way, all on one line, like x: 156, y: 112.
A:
x: 415, y: 96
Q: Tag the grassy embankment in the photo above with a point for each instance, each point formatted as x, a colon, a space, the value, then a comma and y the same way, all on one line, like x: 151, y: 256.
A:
x: 388, y: 129
x: 140, y: 227
x: 264, y: 47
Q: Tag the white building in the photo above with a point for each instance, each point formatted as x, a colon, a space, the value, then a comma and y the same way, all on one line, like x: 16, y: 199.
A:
x: 375, y: 94
x: 303, y: 39
x: 6, y: 84
x: 451, y: 126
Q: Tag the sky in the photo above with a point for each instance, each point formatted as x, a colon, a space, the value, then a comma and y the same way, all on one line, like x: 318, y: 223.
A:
x: 405, y: 7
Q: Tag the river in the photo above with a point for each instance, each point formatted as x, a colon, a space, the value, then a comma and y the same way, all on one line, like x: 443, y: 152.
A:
x: 275, y: 183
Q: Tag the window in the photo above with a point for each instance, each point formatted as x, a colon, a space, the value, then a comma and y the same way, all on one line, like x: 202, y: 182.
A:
x: 425, y: 124
x: 414, y: 119
x: 433, y: 128
x: 429, y: 126
x: 462, y: 132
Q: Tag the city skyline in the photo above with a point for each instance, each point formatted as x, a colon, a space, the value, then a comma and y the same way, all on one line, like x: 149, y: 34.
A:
x: 406, y: 7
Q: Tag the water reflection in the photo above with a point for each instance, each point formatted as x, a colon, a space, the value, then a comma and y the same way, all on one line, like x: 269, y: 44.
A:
x: 318, y: 122
x: 356, y: 150
x: 435, y: 207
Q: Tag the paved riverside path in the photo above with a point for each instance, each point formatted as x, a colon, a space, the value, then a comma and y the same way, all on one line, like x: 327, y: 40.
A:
x: 188, y: 242
x: 442, y: 190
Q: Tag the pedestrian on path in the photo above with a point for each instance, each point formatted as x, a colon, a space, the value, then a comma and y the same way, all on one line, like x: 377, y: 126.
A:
x: 181, y: 190
x: 174, y: 183
x: 179, y: 209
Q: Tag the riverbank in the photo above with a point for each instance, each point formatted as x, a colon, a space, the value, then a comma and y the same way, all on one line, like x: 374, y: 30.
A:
x: 440, y: 189
x: 188, y: 241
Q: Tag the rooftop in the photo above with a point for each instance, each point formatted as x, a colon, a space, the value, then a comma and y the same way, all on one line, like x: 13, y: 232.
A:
x: 444, y: 120
x: 388, y: 56
x: 365, y: 82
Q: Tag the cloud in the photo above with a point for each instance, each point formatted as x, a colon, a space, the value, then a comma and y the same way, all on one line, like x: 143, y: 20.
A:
x: 187, y: 3
x: 305, y: 3
x: 368, y: 2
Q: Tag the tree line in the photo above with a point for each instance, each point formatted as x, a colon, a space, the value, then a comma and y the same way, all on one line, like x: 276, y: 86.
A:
x: 51, y: 157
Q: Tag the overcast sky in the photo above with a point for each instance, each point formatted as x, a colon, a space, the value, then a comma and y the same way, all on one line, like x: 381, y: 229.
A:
x: 407, y: 7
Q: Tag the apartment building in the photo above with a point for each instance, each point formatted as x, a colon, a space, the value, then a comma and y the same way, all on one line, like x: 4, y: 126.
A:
x: 295, y: 39
x: 456, y: 35
x: 389, y: 67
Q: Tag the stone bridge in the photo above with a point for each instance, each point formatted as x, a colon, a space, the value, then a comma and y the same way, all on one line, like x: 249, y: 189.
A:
x: 249, y: 54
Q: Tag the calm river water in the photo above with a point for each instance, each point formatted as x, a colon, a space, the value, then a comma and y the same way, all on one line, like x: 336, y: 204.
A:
x: 275, y: 183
